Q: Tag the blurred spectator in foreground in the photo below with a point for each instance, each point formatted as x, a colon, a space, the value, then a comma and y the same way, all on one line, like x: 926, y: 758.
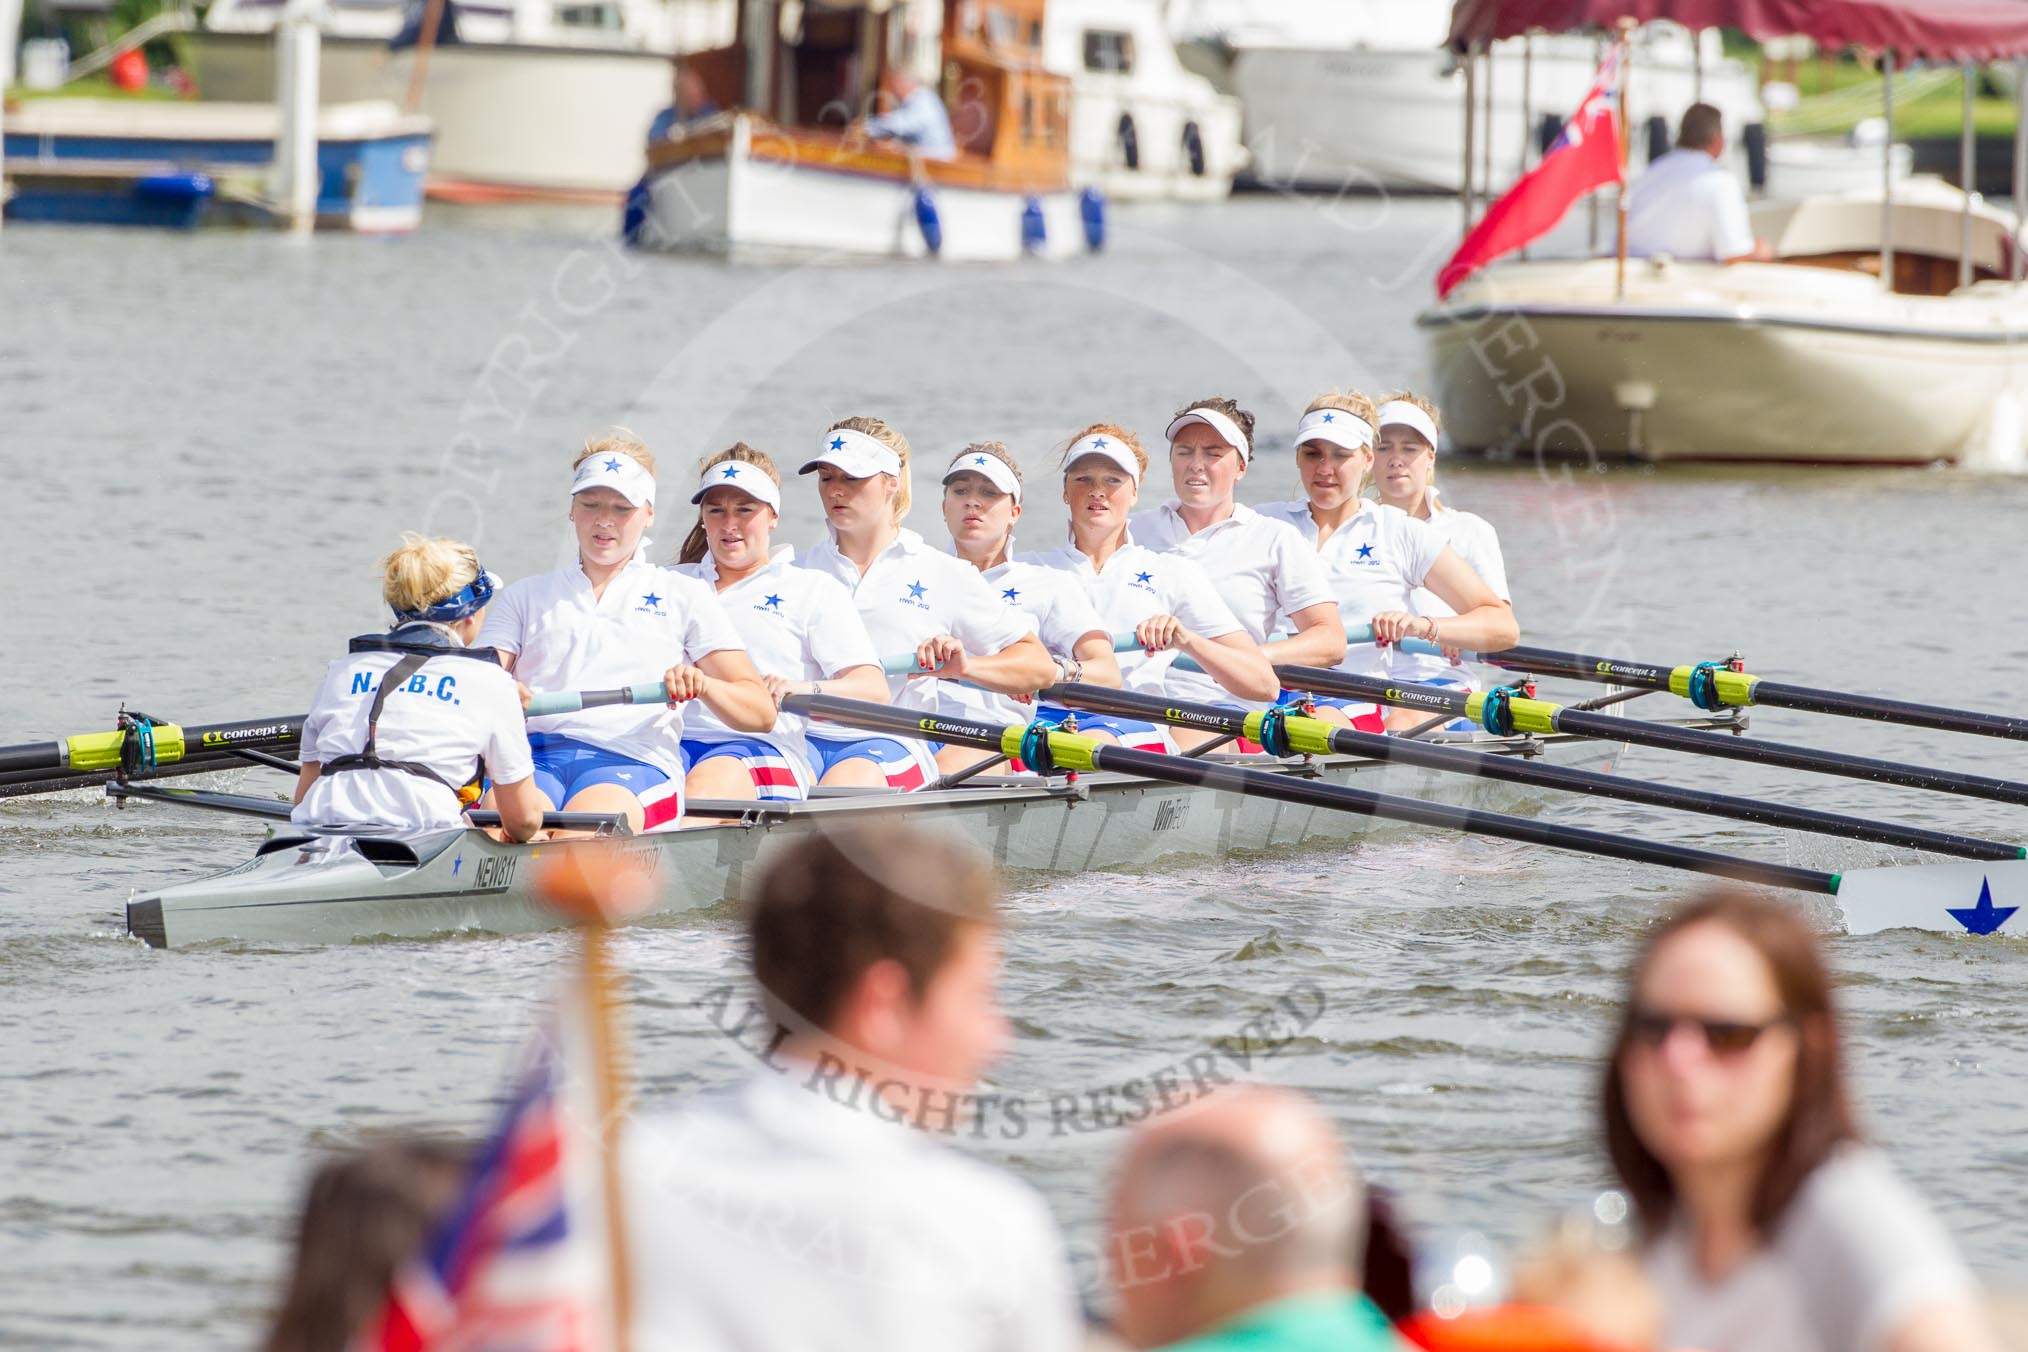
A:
x: 690, y: 102
x: 1768, y: 1225
x: 1227, y: 1231
x: 366, y: 1212
x: 812, y: 1207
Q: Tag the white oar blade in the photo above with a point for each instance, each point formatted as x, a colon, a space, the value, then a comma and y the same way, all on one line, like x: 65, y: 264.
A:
x: 1966, y: 898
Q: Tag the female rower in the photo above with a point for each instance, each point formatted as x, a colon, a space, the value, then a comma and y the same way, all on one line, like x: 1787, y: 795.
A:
x: 1259, y: 566
x: 1404, y: 473
x: 915, y: 600
x: 1166, y: 600
x: 982, y: 501
x: 412, y: 717
x: 609, y: 619
x: 799, y: 627
x: 1378, y: 555
x: 1768, y: 1225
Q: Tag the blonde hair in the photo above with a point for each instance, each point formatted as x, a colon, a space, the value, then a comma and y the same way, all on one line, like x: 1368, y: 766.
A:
x: 619, y: 441
x: 1113, y: 430
x: 425, y: 571
x: 1436, y: 419
x: 1602, y: 1290
x: 696, y: 545
x: 997, y: 449
x: 894, y: 441
x: 1359, y: 406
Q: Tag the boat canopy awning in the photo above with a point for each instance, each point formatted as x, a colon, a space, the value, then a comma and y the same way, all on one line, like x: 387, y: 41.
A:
x: 1937, y: 30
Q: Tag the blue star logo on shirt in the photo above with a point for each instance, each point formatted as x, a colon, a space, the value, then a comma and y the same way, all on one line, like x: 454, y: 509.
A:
x: 732, y: 471
x: 1009, y: 595
x: 837, y: 443
x: 772, y: 603
x: 651, y: 602
x: 1366, y: 551
x: 915, y: 591
x: 613, y: 464
x: 1144, y: 577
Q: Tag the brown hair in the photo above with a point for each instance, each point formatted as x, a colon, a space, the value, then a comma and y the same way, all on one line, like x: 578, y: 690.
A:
x: 695, y: 544
x: 1702, y: 125
x: 894, y: 441
x: 997, y: 449
x: 364, y: 1214
x: 619, y: 441
x: 1231, y: 409
x: 1113, y: 430
x: 833, y: 904
x: 1820, y: 1115
x: 425, y: 571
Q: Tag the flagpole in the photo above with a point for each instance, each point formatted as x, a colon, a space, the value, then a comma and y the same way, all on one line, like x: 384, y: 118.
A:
x: 1626, y: 27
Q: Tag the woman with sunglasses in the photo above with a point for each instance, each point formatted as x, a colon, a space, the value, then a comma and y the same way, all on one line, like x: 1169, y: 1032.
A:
x: 1768, y: 1225
x: 608, y: 619
x: 1377, y: 556
x: 799, y: 627
x: 411, y: 718
x: 912, y: 597
x: 1165, y: 601
x: 1260, y: 566
x: 1404, y: 476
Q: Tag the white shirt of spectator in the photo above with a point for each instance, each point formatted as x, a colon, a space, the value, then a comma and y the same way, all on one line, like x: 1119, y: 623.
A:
x: 788, y: 1212
x: 1136, y: 583
x: 1689, y: 206
x: 1855, y: 1254
x: 913, y: 592
x: 794, y: 623
x: 463, y: 709
x: 565, y: 638
x: 1375, y: 562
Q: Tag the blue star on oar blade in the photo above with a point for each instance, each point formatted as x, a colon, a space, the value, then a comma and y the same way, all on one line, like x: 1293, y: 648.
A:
x: 1985, y: 917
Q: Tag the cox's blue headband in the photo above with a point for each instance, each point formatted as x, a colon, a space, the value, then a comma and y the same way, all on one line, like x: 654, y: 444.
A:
x: 457, y: 606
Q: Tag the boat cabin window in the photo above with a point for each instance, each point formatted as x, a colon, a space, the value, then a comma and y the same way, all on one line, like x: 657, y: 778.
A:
x: 602, y: 18
x: 1027, y: 118
x: 1108, y: 51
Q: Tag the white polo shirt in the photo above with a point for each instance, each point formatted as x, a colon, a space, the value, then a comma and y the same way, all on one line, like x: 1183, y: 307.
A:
x: 1262, y: 568
x: 1475, y: 541
x: 1375, y: 562
x: 447, y: 715
x: 1689, y: 206
x: 913, y: 592
x: 1059, y: 609
x: 1138, y: 583
x: 794, y: 623
x: 565, y: 638
x: 773, y: 1215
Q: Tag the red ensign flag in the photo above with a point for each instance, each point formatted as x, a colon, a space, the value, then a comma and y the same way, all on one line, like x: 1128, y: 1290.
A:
x: 1584, y: 157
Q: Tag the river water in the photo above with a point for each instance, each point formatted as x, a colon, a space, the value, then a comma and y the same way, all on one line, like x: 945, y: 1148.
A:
x: 208, y: 440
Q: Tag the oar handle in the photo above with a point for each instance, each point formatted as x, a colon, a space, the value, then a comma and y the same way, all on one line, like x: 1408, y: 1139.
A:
x: 1128, y: 641
x: 547, y: 702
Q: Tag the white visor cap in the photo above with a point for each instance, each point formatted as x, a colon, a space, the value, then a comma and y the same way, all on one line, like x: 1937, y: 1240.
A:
x: 751, y: 480
x: 1217, y: 422
x: 1341, y: 428
x: 1401, y: 413
x: 988, y: 466
x: 857, y: 454
x: 1106, y: 448
x: 618, y: 471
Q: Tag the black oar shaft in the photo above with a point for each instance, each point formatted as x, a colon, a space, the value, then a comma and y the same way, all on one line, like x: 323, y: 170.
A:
x: 85, y: 752
x: 1772, y: 694
x: 1696, y: 741
x: 1316, y: 793
x: 1506, y: 769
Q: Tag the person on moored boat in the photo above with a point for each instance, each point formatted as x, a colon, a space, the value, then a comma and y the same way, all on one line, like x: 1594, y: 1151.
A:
x: 1404, y: 476
x: 1687, y: 204
x: 982, y: 501
x: 912, y: 597
x: 1167, y: 601
x: 915, y: 117
x: 610, y: 618
x: 410, y: 718
x: 799, y: 627
x: 1376, y: 556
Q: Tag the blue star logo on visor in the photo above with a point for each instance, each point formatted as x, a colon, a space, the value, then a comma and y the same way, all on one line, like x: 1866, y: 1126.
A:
x: 1099, y: 443
x: 837, y: 443
x: 1330, y: 417
x: 613, y: 464
x: 732, y: 471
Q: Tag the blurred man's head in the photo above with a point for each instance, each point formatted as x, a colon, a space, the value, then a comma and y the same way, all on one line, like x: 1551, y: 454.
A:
x: 1702, y: 129
x: 896, y: 82
x: 691, y: 94
x: 1241, y: 1199
x: 882, y: 944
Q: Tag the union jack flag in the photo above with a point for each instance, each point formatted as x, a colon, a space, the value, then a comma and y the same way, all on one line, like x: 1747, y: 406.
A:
x: 520, y: 1263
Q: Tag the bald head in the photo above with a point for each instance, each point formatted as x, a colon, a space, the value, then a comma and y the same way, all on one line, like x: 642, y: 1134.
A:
x: 1240, y: 1199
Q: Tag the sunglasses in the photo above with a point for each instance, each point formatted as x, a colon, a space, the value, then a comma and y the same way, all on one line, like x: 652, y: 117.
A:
x: 1651, y: 1028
